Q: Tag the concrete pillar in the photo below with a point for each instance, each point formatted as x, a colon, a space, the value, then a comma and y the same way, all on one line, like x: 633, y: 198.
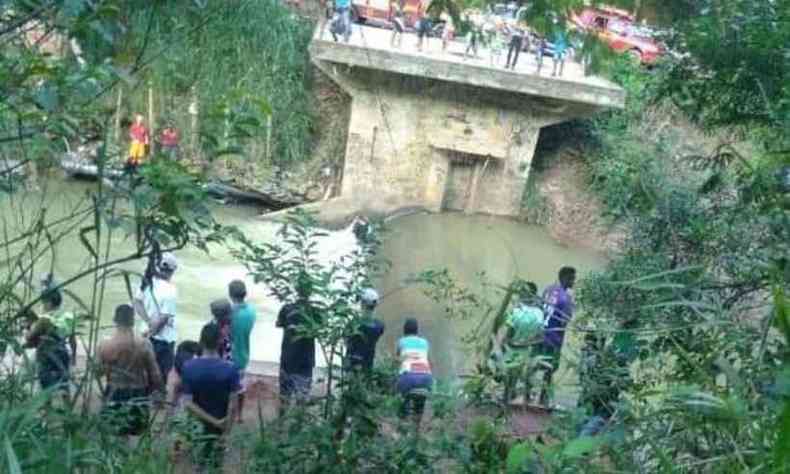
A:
x: 422, y: 129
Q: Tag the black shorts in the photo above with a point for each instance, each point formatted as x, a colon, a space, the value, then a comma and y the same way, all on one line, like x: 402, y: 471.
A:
x: 165, y: 356
x: 53, y: 368
x: 127, y: 410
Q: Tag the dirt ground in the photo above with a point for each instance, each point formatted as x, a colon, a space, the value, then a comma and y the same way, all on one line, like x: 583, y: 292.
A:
x: 574, y: 212
x: 262, y: 403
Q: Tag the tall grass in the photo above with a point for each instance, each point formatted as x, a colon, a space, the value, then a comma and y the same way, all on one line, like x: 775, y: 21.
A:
x: 235, y: 56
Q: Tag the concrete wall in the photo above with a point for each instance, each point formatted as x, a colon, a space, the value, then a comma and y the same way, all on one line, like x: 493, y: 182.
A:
x: 435, y: 131
x: 415, y: 141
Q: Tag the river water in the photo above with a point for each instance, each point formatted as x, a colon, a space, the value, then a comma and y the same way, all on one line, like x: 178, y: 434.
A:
x: 466, y: 245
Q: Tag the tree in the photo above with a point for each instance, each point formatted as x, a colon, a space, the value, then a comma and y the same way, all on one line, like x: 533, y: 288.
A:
x: 294, y: 262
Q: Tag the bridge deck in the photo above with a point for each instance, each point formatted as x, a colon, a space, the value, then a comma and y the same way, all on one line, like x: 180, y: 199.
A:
x: 370, y: 48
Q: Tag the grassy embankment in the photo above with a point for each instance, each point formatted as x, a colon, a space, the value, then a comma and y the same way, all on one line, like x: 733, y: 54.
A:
x: 245, y: 69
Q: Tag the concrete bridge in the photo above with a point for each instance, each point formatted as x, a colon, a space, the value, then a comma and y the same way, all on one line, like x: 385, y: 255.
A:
x: 432, y: 129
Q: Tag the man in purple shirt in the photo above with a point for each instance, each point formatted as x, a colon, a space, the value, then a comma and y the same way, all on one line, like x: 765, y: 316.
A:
x: 558, y: 309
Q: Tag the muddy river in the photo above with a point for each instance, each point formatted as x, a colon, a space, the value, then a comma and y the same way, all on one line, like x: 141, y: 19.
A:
x: 466, y: 245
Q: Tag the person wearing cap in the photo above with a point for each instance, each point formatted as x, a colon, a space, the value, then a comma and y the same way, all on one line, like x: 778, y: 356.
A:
x: 155, y: 304
x: 129, y: 364
x: 241, y: 323
x: 361, y: 345
x: 51, y: 335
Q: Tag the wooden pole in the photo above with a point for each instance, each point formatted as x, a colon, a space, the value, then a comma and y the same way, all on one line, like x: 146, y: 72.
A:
x: 151, y: 127
x: 480, y: 169
x: 269, y: 138
x: 117, y: 134
x: 195, y: 130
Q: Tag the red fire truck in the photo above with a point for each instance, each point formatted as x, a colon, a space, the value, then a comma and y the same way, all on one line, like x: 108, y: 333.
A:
x: 380, y: 11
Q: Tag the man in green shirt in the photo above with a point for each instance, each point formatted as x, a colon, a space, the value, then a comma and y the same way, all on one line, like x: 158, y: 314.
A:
x: 524, y: 332
x: 53, y: 334
x: 241, y: 324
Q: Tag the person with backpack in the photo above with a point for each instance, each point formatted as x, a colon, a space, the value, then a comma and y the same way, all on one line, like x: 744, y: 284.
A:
x: 558, y: 309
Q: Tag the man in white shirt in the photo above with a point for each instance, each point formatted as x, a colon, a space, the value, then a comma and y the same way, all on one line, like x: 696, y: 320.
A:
x: 155, y: 304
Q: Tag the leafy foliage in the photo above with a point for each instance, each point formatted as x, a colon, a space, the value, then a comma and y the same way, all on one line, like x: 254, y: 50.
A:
x: 259, y: 49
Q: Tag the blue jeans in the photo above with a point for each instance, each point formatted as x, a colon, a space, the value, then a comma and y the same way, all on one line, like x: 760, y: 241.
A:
x: 345, y: 20
x: 414, y: 388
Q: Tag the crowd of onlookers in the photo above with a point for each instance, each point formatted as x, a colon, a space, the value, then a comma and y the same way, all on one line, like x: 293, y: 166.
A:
x: 138, y: 358
x: 496, y: 36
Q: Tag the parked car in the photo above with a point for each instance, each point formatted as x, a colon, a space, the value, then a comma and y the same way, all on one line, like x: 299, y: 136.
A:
x: 617, y: 28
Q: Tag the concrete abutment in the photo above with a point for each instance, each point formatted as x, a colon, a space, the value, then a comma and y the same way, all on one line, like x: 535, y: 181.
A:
x: 427, y: 131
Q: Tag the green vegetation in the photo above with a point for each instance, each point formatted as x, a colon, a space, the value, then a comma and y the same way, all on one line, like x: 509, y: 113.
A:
x: 699, y: 288
x: 243, y: 62
x: 688, y: 324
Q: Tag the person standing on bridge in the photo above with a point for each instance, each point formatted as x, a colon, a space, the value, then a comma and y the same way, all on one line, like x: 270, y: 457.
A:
x: 448, y: 32
x: 560, y: 50
x: 473, y: 38
x: 343, y: 9
x: 398, y: 23
x: 423, y: 23
x: 517, y: 36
